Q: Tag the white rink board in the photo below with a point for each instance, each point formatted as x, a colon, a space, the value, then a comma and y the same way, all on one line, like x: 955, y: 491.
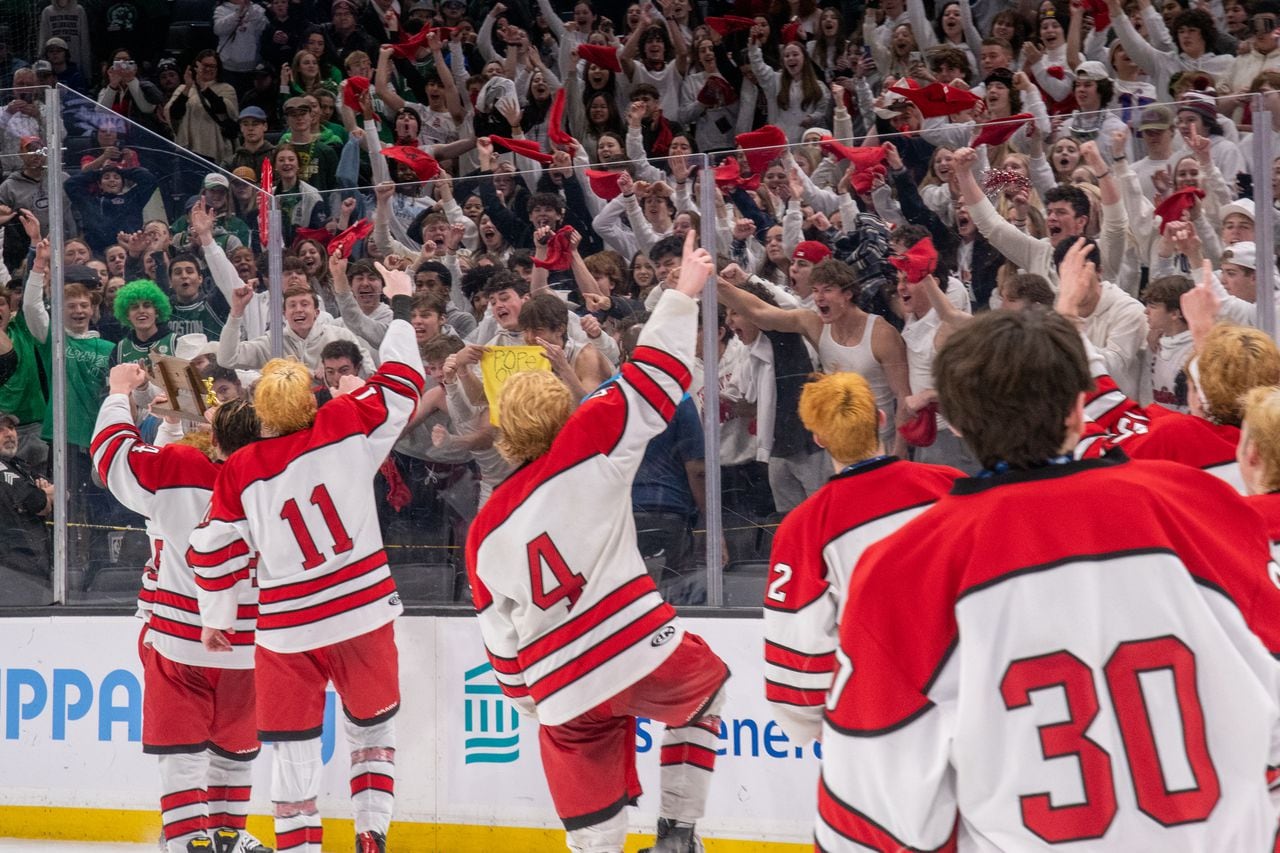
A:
x: 70, y: 733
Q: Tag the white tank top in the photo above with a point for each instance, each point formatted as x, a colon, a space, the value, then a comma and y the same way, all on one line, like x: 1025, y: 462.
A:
x: 861, y: 359
x: 572, y: 349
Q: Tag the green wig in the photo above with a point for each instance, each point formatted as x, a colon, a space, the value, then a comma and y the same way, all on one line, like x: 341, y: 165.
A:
x: 142, y: 290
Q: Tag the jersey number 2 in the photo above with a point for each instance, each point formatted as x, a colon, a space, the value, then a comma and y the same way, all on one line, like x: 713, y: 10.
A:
x: 1091, y: 819
x: 292, y: 513
x: 545, y: 557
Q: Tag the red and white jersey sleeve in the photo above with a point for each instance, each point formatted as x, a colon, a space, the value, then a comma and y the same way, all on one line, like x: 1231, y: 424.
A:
x: 1102, y: 682
x: 171, y: 486
x: 568, y: 612
x: 814, y: 552
x: 1112, y: 420
x: 304, y: 504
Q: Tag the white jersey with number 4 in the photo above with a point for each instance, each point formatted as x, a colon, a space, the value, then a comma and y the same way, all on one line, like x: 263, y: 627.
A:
x: 569, y: 614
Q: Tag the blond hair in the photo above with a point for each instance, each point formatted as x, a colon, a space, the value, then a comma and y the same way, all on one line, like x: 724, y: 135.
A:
x: 1262, y: 420
x: 202, y: 440
x: 532, y: 409
x: 840, y: 410
x: 283, y: 397
x: 1234, y: 360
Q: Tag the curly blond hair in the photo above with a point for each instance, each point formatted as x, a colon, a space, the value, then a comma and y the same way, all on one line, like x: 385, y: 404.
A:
x: 283, y: 397
x: 1235, y: 360
x: 840, y: 410
x: 532, y: 409
x: 202, y: 440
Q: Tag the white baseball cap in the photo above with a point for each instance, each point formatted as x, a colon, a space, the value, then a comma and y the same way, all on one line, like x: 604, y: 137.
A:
x: 1092, y: 70
x: 1243, y: 206
x: 1241, y: 254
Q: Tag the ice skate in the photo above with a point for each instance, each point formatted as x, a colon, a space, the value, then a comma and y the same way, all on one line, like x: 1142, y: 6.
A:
x: 675, y: 838
x: 201, y: 845
x: 237, y: 841
x: 371, y: 842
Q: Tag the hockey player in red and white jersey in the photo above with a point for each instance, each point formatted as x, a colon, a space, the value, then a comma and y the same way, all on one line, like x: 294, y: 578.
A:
x: 1229, y: 360
x: 302, y: 499
x: 198, y: 705
x: 819, y: 542
x: 574, y: 626
x: 1059, y: 654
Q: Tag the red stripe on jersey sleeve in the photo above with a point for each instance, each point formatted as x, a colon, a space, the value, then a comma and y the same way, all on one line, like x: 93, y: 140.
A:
x: 222, y: 582
x: 857, y: 827
x: 514, y: 691
x: 213, y: 559
x: 111, y: 435
x: 112, y: 431
x: 506, y: 666
x: 798, y: 661
x: 183, y: 631
x: 586, y: 621
x: 785, y: 694
x: 602, y: 652
x: 394, y: 370
x: 650, y: 390
x: 665, y: 362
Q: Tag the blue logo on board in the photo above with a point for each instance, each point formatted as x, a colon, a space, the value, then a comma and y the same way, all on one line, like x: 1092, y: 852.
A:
x: 491, y: 722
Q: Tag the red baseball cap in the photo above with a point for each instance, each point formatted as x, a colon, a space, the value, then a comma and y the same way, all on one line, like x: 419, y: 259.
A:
x: 811, y: 251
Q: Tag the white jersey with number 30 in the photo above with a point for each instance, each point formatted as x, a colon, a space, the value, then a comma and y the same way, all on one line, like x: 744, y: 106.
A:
x: 1076, y: 657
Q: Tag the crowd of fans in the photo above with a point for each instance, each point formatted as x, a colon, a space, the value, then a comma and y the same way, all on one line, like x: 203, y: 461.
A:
x: 880, y: 172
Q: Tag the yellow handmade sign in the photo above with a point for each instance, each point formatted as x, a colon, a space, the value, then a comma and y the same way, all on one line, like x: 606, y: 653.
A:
x: 497, y: 365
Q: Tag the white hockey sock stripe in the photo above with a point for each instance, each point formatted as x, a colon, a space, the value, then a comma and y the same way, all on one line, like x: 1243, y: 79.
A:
x: 298, y: 828
x: 373, y: 773
x: 688, y: 758
x: 230, y: 786
x: 184, y: 800
x: 184, y: 814
x: 373, y: 780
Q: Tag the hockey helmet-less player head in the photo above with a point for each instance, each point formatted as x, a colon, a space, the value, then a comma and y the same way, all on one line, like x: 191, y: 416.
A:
x: 532, y: 410
x: 840, y: 410
x: 283, y: 397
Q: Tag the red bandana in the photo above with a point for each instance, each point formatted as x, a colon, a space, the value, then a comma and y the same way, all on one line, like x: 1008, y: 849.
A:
x: 938, y: 99
x: 605, y: 57
x: 604, y: 184
x: 345, y: 241
x: 525, y: 148
x: 1001, y: 130
x: 762, y: 147
x: 1176, y: 204
x: 918, y: 261
x: 730, y: 24
x: 422, y: 163
x: 559, y: 252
